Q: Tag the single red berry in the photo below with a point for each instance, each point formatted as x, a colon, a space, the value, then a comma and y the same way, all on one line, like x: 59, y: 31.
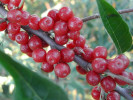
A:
x: 99, y: 65
x: 53, y: 56
x: 46, y: 24
x: 25, y: 18
x: 3, y: 25
x: 124, y: 59
x: 39, y: 55
x: 44, y: 44
x: 113, y: 96
x: 60, y: 28
x: 80, y: 41
x: 70, y: 45
x: 13, y: 28
x: 35, y: 42
x: 108, y: 84
x: 54, y: 14
x: 25, y: 48
x: 121, y: 82
x: 46, y: 67
x: 34, y: 22
x: 62, y: 70
x: 5, y: 1
x: 14, y: 16
x: 100, y: 52
x: 75, y: 24
x: 22, y: 37
x: 65, y: 13
x: 93, y: 78
x: 12, y: 6
x: 73, y: 35
x: 96, y: 91
x: 67, y: 55
x: 61, y: 40
x: 78, y: 50
x: 116, y: 66
x: 131, y: 75
x: 11, y: 36
x: 29, y: 54
x: 80, y: 70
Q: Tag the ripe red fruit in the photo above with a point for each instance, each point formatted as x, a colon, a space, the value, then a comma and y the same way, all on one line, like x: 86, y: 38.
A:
x: 99, y: 65
x: 22, y: 37
x: 80, y: 70
x: 12, y: 6
x: 35, y: 42
x: 113, y: 96
x: 46, y: 24
x: 78, y: 50
x: 25, y: 48
x: 46, y: 67
x: 67, y: 55
x: 13, y: 28
x: 61, y: 40
x: 53, y: 56
x: 62, y: 70
x: 11, y: 36
x: 70, y: 45
x: 34, y: 22
x: 80, y: 41
x: 116, y: 66
x: 60, y: 28
x: 3, y: 25
x: 25, y: 18
x: 108, y: 84
x: 120, y: 82
x: 93, y: 78
x: 131, y: 75
x: 5, y: 1
x: 100, y: 52
x: 96, y: 91
x: 73, y: 34
x: 29, y: 54
x: 65, y: 13
x: 75, y: 24
x: 39, y: 55
x: 14, y: 16
x: 54, y: 15
x: 44, y: 44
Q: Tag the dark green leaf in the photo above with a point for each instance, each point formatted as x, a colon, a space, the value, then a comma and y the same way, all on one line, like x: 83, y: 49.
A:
x: 30, y: 85
x: 115, y: 26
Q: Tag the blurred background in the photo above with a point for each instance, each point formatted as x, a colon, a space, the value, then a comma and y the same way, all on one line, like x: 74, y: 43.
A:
x: 75, y: 85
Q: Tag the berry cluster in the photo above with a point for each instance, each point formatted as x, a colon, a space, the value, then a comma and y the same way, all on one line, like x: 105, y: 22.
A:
x: 65, y: 27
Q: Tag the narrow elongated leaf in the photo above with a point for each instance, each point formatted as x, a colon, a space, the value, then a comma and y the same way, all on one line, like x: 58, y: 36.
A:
x: 115, y: 26
x: 30, y: 85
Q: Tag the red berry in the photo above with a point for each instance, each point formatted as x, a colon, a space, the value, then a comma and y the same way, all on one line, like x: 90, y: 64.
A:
x: 96, y: 91
x: 29, y: 54
x: 12, y: 6
x: 93, y: 78
x: 80, y: 41
x: 131, y: 75
x: 15, y: 2
x: 14, y: 16
x: 54, y: 15
x: 78, y: 50
x: 99, y: 65
x: 25, y: 18
x: 39, y: 55
x: 120, y: 82
x: 100, y: 52
x: 22, y: 37
x: 108, y: 84
x: 61, y: 40
x: 70, y: 45
x: 67, y: 55
x: 75, y: 24
x: 34, y: 22
x: 11, y: 36
x: 53, y: 56
x: 13, y: 28
x: 60, y: 28
x: 116, y: 66
x: 25, y: 48
x: 46, y: 24
x: 62, y: 70
x: 3, y: 25
x: 46, y: 67
x: 73, y: 35
x: 65, y: 13
x: 113, y: 96
x: 80, y: 70
x: 35, y: 42
x: 5, y: 1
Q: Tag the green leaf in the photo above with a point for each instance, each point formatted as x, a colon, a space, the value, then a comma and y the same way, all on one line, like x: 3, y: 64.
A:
x: 30, y: 85
x: 115, y: 26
